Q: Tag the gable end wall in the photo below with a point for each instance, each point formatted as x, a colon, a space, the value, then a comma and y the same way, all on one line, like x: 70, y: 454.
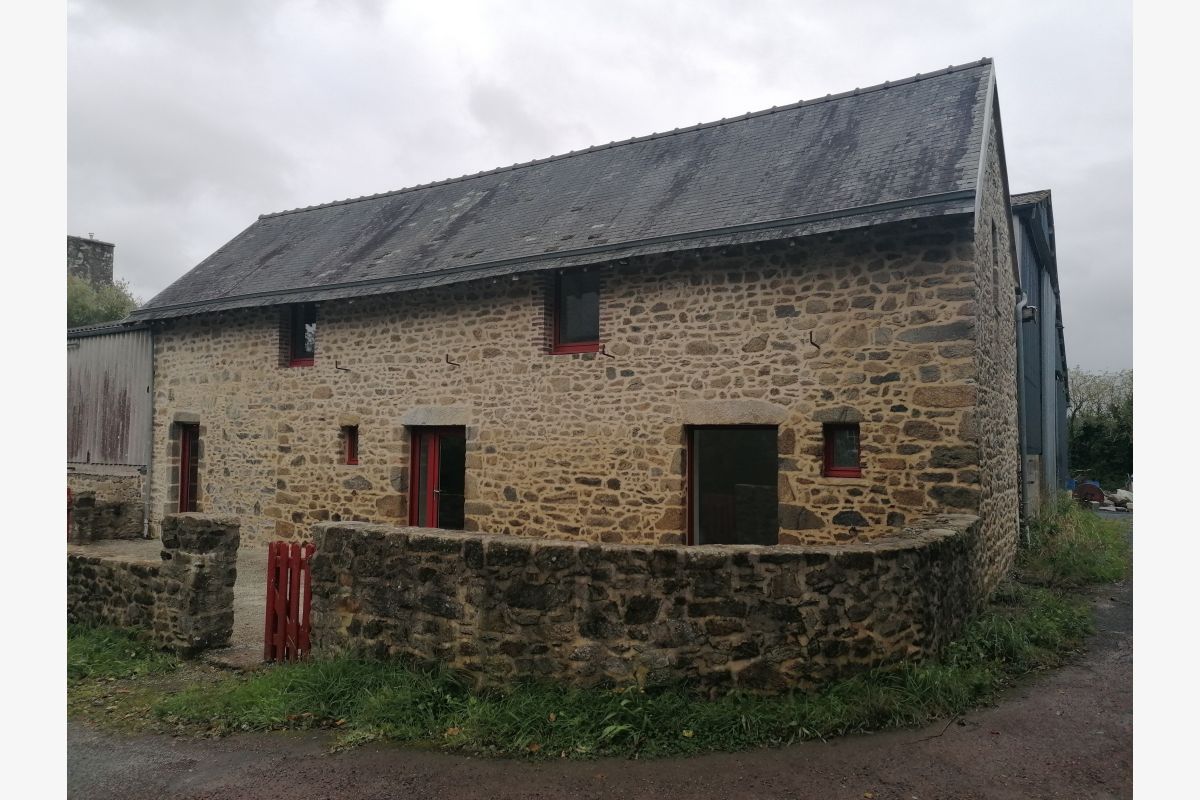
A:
x: 993, y: 425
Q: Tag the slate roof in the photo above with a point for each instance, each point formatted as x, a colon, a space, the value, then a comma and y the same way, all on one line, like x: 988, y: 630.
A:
x: 1028, y: 198
x: 898, y: 150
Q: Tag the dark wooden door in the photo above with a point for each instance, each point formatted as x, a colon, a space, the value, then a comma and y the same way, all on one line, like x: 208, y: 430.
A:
x: 438, y: 478
x: 189, y: 466
x: 733, y: 485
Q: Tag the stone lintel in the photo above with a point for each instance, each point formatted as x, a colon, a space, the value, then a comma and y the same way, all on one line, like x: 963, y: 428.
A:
x: 838, y: 414
x: 437, y: 415
x: 732, y: 412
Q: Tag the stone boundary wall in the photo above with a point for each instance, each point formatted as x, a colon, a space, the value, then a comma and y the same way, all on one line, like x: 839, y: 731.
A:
x: 184, y: 599
x: 501, y: 608
x: 105, y: 505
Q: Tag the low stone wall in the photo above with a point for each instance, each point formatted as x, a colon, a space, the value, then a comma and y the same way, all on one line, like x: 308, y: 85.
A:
x: 184, y: 598
x: 762, y: 618
x: 105, y: 505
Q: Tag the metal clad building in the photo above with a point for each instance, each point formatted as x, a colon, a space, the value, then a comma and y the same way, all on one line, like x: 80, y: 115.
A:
x: 109, y: 374
x: 1043, y: 359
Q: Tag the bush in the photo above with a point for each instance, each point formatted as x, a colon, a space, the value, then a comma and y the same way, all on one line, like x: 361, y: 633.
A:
x: 90, y: 305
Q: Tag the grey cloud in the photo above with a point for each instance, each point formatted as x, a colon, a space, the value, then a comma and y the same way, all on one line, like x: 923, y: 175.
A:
x: 187, y: 120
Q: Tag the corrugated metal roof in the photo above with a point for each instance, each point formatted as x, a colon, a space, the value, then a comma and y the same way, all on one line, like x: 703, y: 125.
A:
x: 104, y: 328
x: 894, y: 151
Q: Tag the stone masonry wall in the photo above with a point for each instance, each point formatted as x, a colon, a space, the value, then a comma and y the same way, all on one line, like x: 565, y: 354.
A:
x: 90, y: 259
x: 873, y: 325
x: 105, y: 506
x: 184, y: 600
x: 994, y: 420
x: 760, y: 618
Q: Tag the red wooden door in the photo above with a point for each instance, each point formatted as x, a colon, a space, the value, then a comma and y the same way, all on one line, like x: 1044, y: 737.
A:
x: 438, y: 478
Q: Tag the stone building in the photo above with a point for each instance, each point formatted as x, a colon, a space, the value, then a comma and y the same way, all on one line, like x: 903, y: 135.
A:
x: 90, y: 259
x: 795, y: 326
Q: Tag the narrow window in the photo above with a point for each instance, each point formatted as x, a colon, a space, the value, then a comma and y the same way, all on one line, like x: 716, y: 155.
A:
x: 841, y: 451
x: 577, y: 311
x: 189, y: 465
x: 303, y: 333
x: 733, y: 485
x: 350, y: 443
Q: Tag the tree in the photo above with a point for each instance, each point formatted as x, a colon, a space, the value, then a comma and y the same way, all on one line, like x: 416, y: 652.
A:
x: 1100, y: 426
x: 89, y: 305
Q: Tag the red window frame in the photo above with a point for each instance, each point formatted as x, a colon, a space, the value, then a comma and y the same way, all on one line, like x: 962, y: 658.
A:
x: 350, y: 444
x: 556, y: 311
x: 829, y: 431
x: 299, y: 318
x: 189, y: 465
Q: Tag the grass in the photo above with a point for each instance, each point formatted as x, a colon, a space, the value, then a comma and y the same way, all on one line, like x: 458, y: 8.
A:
x: 1072, y: 547
x: 1035, y: 622
x: 107, y: 653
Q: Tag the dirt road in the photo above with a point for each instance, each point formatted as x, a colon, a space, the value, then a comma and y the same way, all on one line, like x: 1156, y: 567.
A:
x: 1067, y: 735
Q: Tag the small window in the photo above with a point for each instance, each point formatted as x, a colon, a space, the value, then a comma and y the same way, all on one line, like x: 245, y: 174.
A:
x: 303, y: 333
x: 841, y: 451
x: 995, y: 246
x: 577, y: 312
x: 350, y: 444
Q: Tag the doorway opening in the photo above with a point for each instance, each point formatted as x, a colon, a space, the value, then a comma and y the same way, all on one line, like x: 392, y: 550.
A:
x: 733, y: 485
x: 438, y: 477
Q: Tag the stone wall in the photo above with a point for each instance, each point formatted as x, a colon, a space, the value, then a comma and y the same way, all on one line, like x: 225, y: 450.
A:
x: 105, y: 505
x: 90, y: 259
x: 184, y: 599
x: 761, y: 618
x: 875, y: 325
x: 993, y: 421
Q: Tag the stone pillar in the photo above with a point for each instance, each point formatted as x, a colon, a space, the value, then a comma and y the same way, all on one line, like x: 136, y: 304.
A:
x: 199, y: 569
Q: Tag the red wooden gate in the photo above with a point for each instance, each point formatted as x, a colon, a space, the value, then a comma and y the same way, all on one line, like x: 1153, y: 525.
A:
x: 289, y: 600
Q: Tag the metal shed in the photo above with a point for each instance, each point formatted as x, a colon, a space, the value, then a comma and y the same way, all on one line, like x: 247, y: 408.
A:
x: 109, y: 377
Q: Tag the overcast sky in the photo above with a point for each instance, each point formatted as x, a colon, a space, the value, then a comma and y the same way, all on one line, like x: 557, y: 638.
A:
x: 188, y: 120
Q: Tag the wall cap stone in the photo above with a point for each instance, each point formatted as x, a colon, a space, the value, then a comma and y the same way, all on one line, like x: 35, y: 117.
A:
x: 918, y: 535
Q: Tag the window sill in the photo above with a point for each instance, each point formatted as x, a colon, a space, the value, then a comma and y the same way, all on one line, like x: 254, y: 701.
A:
x: 582, y: 347
x: 842, y: 473
x: 301, y: 362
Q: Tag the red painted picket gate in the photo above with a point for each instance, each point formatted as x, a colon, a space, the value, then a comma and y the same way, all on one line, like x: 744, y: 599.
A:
x: 289, y: 601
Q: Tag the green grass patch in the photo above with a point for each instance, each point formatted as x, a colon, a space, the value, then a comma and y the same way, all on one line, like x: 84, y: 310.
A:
x: 1027, y: 628
x: 1073, y: 547
x: 98, y: 652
